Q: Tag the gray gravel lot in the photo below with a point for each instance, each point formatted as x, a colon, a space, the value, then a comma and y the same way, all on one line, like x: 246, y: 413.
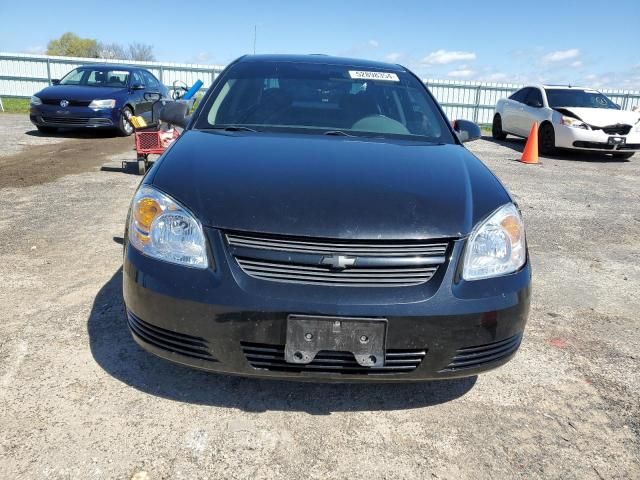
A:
x: 79, y: 399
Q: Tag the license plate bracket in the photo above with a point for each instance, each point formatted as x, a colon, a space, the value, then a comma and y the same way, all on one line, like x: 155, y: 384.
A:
x: 307, y: 335
x: 616, y: 140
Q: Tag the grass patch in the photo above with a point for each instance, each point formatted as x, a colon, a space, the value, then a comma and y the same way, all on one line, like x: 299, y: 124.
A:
x: 485, y: 127
x: 15, y: 105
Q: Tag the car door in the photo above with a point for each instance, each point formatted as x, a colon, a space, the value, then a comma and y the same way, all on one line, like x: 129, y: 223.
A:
x: 532, y: 111
x: 141, y: 105
x: 152, y: 92
x: 512, y: 110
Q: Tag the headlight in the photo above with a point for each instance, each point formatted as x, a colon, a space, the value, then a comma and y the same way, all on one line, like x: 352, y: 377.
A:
x: 496, y: 246
x: 161, y: 228
x: 35, y: 100
x: 573, y: 122
x: 103, y: 104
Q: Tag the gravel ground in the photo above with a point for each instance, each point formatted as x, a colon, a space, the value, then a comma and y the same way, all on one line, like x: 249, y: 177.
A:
x: 79, y: 399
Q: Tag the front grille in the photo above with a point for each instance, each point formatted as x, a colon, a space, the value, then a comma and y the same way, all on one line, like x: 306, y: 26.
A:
x: 605, y: 146
x: 66, y: 120
x: 479, y: 355
x: 77, y: 120
x: 629, y: 146
x: 72, y: 103
x: 309, y: 261
x: 271, y: 357
x: 618, y: 129
x: 180, y: 343
x: 353, y: 277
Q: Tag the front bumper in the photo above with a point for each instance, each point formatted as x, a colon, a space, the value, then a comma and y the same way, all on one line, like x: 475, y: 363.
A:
x: 225, y: 321
x: 73, y: 117
x: 595, y: 140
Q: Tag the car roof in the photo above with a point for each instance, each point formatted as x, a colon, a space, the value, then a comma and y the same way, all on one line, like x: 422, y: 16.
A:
x: 323, y: 60
x: 556, y: 86
x: 113, y: 66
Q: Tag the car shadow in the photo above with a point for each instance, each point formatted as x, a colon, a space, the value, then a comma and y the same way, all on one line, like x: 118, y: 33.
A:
x: 115, y: 351
x: 86, y: 133
x: 517, y: 145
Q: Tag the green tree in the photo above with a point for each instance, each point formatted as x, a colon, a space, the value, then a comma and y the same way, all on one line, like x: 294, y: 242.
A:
x: 71, y: 45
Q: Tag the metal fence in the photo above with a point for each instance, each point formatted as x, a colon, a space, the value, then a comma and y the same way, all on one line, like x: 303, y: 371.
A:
x: 21, y: 75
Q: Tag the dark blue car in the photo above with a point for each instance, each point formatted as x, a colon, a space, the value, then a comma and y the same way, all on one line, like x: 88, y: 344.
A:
x: 96, y: 96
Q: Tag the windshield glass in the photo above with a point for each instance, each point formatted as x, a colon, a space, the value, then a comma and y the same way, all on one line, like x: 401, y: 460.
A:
x: 578, y: 98
x: 320, y: 98
x: 96, y: 77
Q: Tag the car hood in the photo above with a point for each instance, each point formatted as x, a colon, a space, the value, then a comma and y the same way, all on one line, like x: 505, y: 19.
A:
x: 332, y: 187
x: 80, y: 93
x: 602, y: 117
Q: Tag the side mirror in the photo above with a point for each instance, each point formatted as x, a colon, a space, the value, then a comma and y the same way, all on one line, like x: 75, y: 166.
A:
x: 55, y: 81
x: 175, y: 113
x: 466, y: 130
x: 151, y: 96
x: 137, y: 86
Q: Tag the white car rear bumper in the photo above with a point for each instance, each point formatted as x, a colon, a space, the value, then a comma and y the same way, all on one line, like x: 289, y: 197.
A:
x: 596, y: 140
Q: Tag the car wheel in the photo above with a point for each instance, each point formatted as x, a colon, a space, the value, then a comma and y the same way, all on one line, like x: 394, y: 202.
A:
x: 546, y: 139
x: 496, y: 128
x: 623, y: 156
x: 46, y: 129
x: 124, y: 127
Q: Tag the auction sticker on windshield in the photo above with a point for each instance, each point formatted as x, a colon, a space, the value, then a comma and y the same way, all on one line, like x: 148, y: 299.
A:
x: 386, y: 76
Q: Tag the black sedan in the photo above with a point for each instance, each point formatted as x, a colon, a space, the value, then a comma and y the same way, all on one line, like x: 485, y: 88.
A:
x: 320, y: 219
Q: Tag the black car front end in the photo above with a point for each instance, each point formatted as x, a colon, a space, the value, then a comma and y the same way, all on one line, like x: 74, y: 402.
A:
x: 370, y: 247
x: 233, y: 319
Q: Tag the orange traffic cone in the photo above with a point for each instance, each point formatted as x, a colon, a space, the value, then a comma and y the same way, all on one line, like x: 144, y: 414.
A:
x: 530, y: 154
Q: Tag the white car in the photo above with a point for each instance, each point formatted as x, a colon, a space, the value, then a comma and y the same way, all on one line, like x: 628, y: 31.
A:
x: 568, y: 117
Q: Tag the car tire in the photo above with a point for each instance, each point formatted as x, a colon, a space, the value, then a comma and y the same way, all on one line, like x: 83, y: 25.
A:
x: 124, y: 127
x: 42, y: 129
x: 496, y: 128
x: 546, y: 139
x: 623, y: 156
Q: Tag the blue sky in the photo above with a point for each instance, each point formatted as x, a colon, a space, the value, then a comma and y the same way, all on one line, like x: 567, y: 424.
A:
x: 583, y: 42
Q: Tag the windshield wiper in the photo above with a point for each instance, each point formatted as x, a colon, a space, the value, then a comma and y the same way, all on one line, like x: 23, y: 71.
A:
x: 338, y: 133
x: 232, y: 128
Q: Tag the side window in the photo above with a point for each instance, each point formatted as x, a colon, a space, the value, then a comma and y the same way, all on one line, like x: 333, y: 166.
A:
x: 150, y: 80
x: 520, y: 95
x: 137, y: 79
x: 74, y: 77
x: 534, y: 99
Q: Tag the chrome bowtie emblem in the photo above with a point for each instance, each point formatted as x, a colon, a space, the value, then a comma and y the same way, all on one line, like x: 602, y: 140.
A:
x: 64, y: 103
x: 338, y: 262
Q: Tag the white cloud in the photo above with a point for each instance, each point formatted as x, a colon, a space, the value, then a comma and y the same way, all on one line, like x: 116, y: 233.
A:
x: 202, y: 57
x: 462, y: 73
x: 37, y: 49
x: 561, y: 56
x: 576, y: 64
x: 496, y: 77
x: 374, y: 43
x: 444, y: 57
x: 393, y: 56
x: 627, y: 79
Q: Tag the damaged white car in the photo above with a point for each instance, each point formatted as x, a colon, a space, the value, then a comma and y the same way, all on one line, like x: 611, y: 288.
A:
x: 569, y: 117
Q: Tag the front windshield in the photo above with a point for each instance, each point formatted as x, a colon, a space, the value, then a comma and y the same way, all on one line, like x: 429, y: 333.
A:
x: 578, y: 98
x: 320, y: 98
x: 97, y: 77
